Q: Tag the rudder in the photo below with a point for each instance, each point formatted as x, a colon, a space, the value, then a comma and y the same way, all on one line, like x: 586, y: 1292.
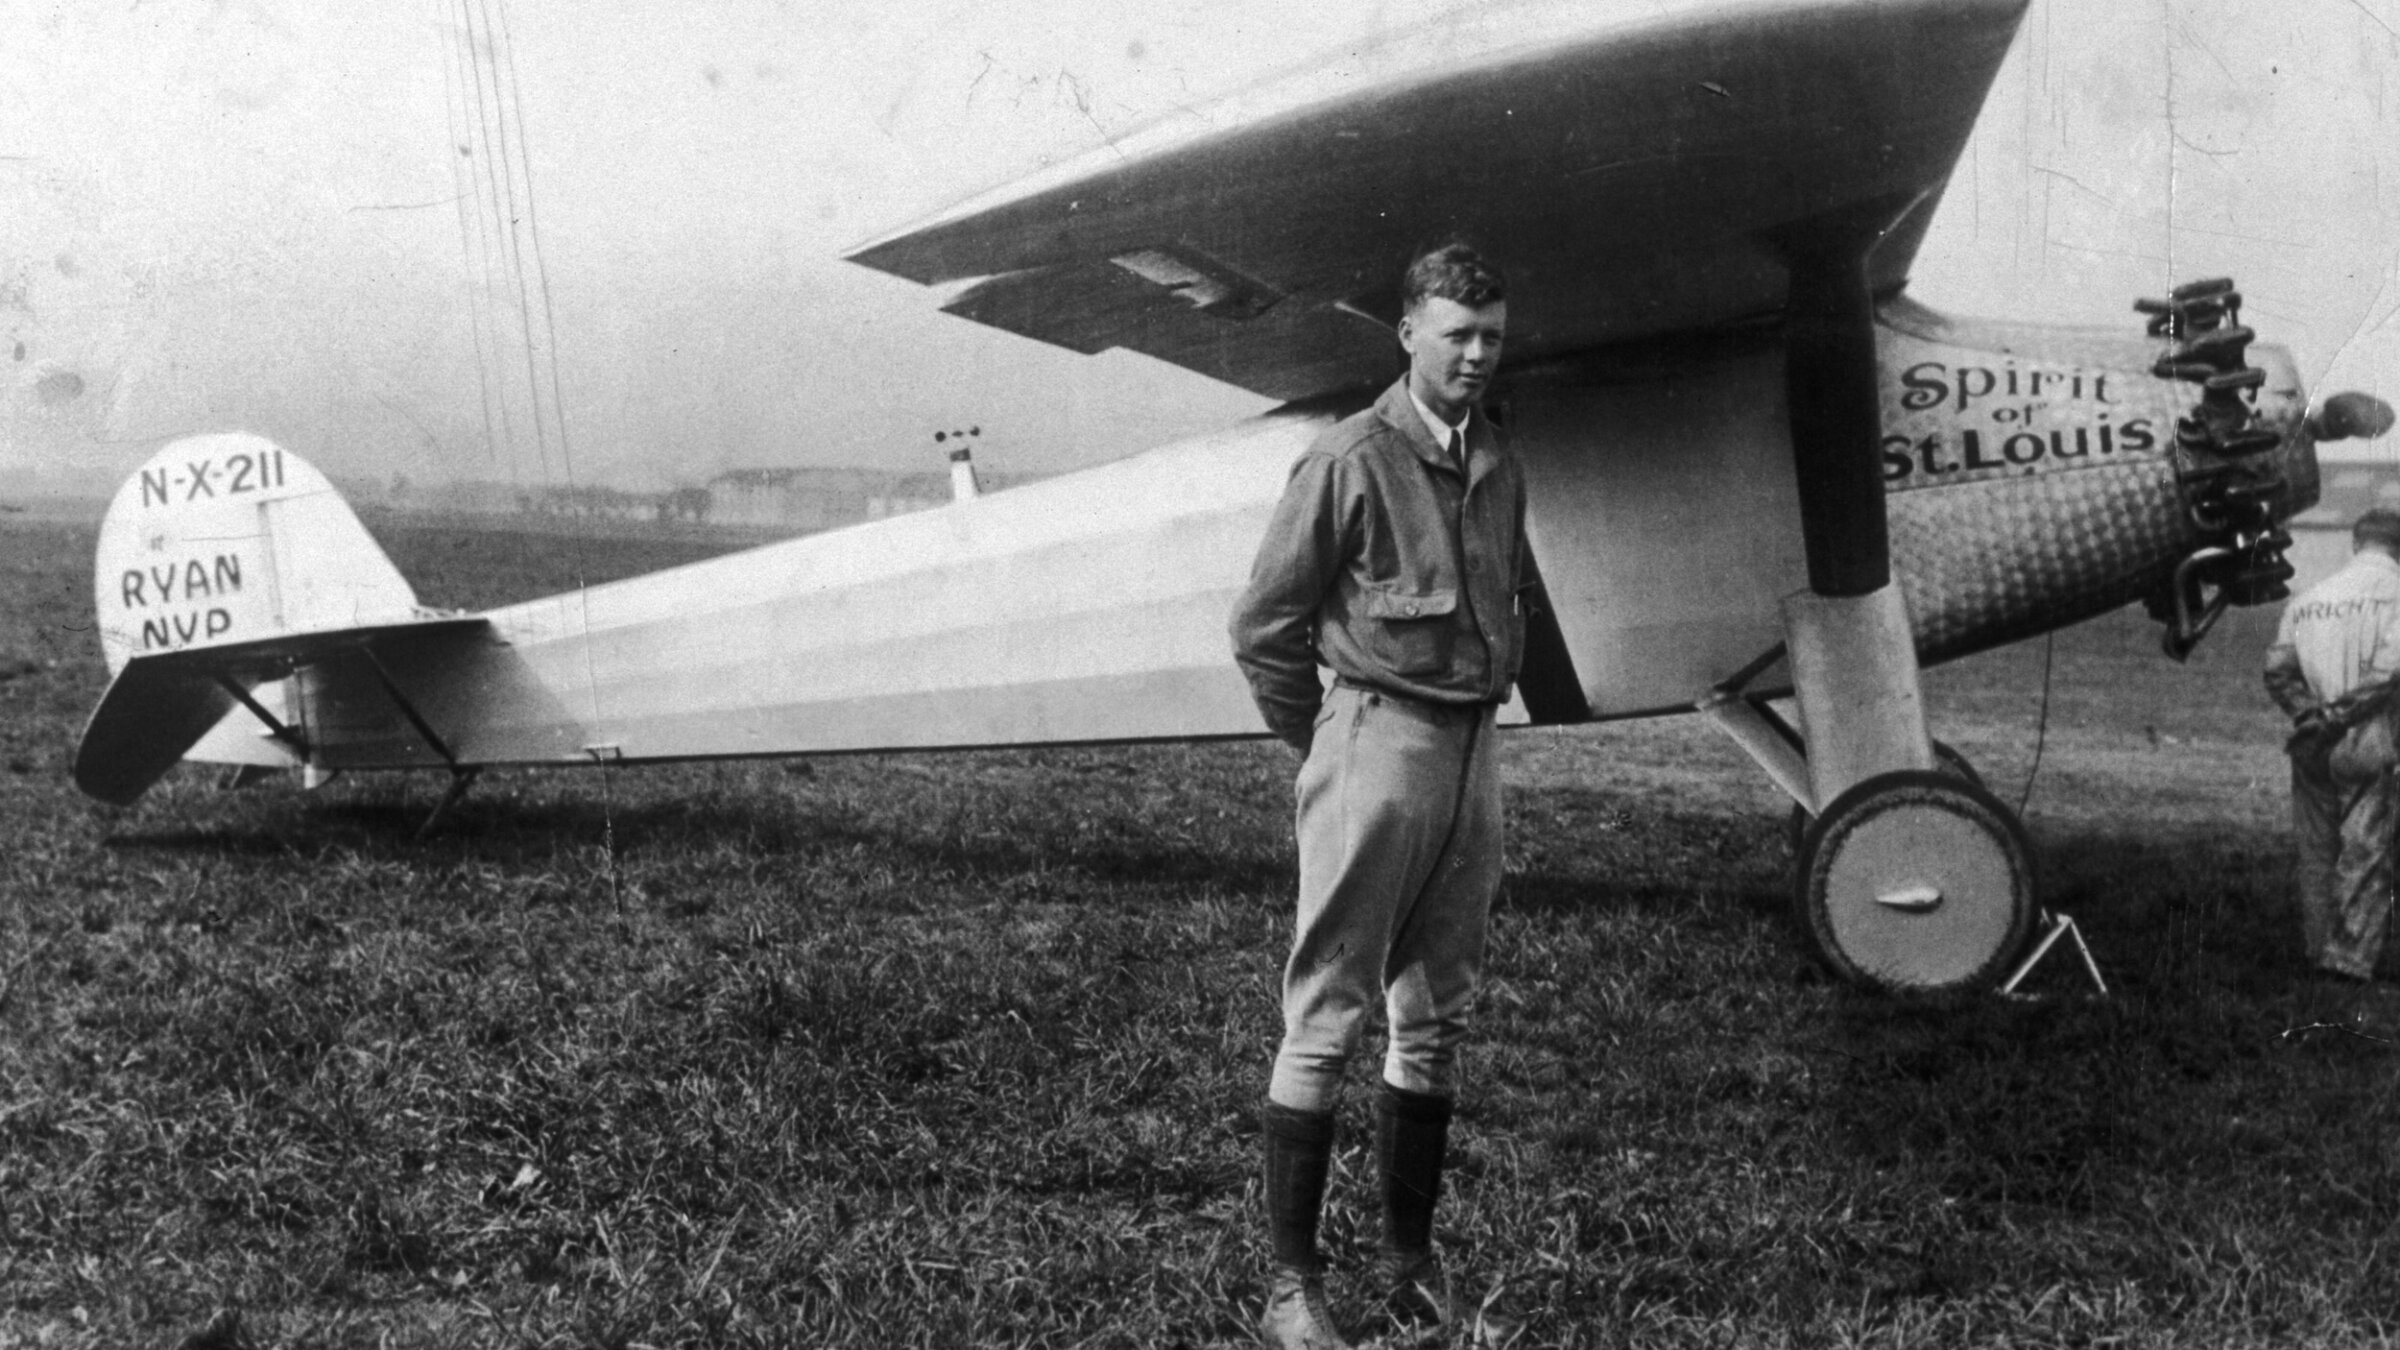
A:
x: 230, y: 538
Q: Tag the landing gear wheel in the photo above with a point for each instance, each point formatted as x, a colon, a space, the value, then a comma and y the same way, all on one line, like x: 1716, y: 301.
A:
x: 1946, y: 759
x: 1916, y: 882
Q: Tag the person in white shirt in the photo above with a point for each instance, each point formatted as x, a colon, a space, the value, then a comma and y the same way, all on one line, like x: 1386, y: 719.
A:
x: 2331, y: 668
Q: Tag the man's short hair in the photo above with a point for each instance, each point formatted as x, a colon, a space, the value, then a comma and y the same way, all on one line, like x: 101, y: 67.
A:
x: 1455, y: 271
x: 2380, y: 526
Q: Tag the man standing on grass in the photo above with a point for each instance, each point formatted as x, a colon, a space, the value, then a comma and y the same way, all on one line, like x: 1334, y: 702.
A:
x: 1396, y: 557
x: 2336, y: 653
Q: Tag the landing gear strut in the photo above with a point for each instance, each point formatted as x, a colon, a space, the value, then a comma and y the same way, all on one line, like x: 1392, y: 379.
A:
x: 1909, y: 878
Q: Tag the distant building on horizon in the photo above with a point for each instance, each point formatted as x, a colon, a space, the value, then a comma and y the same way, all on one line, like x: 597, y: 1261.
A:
x: 806, y: 499
x: 781, y: 500
x: 788, y: 500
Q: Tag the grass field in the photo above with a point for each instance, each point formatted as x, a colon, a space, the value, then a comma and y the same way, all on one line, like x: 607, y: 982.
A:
x: 916, y: 1050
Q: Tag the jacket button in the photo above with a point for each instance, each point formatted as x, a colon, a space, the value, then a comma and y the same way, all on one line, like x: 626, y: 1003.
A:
x: 1409, y: 610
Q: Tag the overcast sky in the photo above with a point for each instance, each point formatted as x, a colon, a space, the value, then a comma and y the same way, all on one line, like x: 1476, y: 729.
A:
x: 216, y: 215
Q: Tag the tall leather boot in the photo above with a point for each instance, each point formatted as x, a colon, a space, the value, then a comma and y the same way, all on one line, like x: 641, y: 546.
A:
x: 1412, y: 1135
x: 1299, y: 1154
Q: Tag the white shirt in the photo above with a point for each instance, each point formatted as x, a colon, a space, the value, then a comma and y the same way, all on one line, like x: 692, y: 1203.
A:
x: 1442, y: 430
x: 2345, y: 630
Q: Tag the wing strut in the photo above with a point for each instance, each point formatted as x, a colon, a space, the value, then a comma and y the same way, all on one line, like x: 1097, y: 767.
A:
x: 276, y: 726
x: 383, y: 676
x: 1754, y: 725
x: 462, y: 776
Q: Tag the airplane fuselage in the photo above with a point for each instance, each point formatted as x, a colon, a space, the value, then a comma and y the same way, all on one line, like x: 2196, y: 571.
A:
x: 2031, y: 481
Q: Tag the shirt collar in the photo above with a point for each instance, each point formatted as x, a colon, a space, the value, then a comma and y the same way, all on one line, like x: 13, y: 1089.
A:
x: 2375, y: 557
x: 1441, y: 430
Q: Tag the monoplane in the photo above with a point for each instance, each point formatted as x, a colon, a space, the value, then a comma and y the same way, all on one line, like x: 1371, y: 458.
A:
x: 1756, y: 466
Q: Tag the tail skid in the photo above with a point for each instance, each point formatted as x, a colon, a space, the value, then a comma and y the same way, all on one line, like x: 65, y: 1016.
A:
x: 225, y: 563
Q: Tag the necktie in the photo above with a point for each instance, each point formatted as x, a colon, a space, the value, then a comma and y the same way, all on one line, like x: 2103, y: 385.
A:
x: 1458, y: 450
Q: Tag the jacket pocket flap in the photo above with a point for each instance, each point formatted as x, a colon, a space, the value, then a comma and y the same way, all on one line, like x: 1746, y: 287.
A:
x: 1383, y: 604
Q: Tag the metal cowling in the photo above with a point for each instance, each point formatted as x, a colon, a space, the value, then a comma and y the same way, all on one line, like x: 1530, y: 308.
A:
x: 2005, y: 558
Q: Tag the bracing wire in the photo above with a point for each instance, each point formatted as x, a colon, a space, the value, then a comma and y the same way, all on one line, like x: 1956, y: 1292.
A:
x: 508, y: 172
x: 491, y: 220
x: 516, y: 157
x: 486, y: 254
x: 503, y: 165
x: 470, y: 217
x: 2041, y: 735
x: 533, y: 237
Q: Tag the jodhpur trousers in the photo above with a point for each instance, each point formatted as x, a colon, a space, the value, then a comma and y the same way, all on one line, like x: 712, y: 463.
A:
x: 1400, y: 849
x: 2344, y: 808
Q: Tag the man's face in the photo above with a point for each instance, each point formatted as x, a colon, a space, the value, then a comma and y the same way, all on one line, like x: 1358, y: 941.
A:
x: 1453, y: 351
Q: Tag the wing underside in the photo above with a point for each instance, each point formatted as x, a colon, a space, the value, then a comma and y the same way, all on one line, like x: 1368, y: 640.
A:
x: 1632, y: 165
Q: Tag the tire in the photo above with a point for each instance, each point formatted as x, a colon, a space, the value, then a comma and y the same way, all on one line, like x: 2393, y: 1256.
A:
x: 1916, y: 882
x: 1946, y: 759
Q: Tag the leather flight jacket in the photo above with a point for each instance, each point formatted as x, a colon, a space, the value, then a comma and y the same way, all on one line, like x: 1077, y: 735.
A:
x: 1386, y: 563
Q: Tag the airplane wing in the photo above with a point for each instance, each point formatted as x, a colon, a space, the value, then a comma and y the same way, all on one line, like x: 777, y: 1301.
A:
x: 1629, y: 162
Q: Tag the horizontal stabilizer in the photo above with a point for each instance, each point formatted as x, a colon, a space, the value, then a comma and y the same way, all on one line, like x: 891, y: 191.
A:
x: 273, y: 657
x: 159, y: 706
x: 150, y: 715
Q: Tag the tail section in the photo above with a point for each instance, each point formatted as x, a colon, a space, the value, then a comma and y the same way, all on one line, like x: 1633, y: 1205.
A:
x: 227, y: 563
x: 228, y: 539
